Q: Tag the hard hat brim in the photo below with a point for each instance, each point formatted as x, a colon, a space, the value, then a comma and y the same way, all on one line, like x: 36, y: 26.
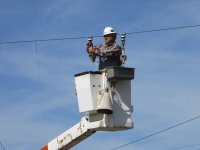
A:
x: 109, y: 33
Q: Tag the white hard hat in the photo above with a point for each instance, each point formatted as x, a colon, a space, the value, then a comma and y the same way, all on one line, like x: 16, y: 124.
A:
x: 108, y: 30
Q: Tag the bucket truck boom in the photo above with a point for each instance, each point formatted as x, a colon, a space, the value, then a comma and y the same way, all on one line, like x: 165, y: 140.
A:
x: 105, y: 97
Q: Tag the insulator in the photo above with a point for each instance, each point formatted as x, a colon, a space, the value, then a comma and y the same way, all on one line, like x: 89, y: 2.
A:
x: 123, y: 39
x: 123, y: 36
x: 90, y: 38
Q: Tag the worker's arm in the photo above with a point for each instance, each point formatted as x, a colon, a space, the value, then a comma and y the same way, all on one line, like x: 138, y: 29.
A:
x: 112, y: 51
x: 100, y: 50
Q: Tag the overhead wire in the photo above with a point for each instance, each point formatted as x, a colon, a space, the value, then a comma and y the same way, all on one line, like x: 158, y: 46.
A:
x: 42, y: 40
x: 40, y: 85
x: 156, y: 133
x: 164, y: 29
x: 2, y: 145
x: 185, y: 146
x: 96, y: 36
x: 36, y: 48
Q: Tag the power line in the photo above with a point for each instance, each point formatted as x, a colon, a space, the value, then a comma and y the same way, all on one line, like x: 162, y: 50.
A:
x: 42, y: 40
x: 96, y: 36
x: 164, y: 29
x: 161, y: 131
x: 186, y: 146
x: 2, y: 145
x: 42, y: 98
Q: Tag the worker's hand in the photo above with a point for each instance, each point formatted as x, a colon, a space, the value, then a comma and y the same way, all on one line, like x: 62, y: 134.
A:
x: 91, y: 50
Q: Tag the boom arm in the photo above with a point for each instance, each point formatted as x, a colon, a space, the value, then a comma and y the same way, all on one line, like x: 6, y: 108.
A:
x: 70, y: 137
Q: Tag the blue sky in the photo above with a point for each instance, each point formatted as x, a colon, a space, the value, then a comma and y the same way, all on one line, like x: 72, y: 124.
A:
x: 37, y: 98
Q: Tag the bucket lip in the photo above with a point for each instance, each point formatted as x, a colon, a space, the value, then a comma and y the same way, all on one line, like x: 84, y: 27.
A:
x: 87, y: 72
x: 104, y: 111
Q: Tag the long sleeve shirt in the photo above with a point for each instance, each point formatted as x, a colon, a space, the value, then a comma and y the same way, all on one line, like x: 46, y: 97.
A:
x: 108, y: 51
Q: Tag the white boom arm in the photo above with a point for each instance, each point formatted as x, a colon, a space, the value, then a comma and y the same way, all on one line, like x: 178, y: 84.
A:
x: 71, y: 137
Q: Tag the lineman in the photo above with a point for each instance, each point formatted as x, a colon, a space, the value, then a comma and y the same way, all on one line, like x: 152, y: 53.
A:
x: 109, y: 53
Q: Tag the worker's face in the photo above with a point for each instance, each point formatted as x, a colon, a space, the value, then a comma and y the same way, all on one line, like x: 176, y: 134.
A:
x: 110, y: 38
